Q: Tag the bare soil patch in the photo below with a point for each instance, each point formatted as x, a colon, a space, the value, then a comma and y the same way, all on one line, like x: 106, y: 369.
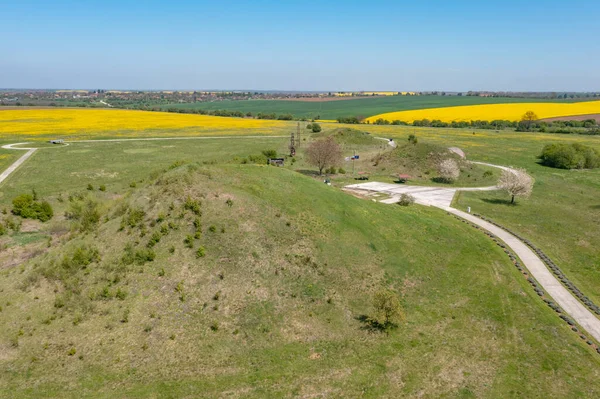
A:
x: 573, y: 118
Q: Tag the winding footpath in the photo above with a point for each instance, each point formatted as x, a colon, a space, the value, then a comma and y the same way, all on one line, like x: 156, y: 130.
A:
x: 441, y: 197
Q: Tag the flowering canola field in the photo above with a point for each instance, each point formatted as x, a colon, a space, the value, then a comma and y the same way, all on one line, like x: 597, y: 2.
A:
x: 90, y: 123
x: 490, y: 112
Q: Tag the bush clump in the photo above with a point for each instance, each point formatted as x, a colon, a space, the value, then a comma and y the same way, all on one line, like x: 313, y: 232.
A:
x: 86, y: 213
x: 192, y: 205
x: 406, y: 200
x: 25, y: 206
x: 570, y: 156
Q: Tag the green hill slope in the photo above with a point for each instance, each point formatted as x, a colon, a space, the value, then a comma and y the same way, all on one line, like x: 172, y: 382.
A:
x: 266, y: 299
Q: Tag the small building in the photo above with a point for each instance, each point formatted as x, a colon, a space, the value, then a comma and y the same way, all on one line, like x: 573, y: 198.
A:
x: 57, y: 141
x: 277, y: 161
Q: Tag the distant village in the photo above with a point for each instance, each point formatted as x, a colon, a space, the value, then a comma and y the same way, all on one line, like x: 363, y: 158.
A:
x: 124, y: 98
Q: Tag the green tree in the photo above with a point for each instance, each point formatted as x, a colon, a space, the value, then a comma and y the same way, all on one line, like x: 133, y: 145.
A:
x: 388, y: 312
x: 528, y: 119
x: 316, y: 128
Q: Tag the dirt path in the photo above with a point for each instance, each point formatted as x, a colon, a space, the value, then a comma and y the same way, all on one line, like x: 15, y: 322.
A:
x: 441, y: 197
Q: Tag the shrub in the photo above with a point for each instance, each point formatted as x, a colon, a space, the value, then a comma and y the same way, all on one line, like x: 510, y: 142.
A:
x: 189, y: 241
x: 192, y: 205
x: 102, y: 188
x: 200, y: 252
x: 90, y: 187
x: 316, y: 128
x: 80, y: 258
x: 121, y: 294
x: 25, y: 206
x: 134, y: 217
x: 144, y: 255
x: 413, y: 139
x: 154, y: 239
x: 270, y: 153
x: 197, y: 224
x: 85, y: 213
x: 212, y: 228
x: 341, y: 171
x: 570, y: 156
x: 406, y: 200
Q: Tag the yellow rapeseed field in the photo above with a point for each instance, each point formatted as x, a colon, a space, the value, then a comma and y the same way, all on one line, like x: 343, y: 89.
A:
x: 490, y: 112
x: 84, y: 123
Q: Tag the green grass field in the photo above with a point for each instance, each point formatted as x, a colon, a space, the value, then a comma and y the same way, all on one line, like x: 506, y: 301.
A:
x: 294, y: 267
x: 294, y: 263
x: 7, y: 157
x: 363, y: 107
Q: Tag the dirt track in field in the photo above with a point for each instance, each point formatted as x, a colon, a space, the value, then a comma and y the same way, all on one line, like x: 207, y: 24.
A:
x: 573, y: 118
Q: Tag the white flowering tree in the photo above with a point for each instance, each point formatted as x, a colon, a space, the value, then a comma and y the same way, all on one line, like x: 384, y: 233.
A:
x: 516, y: 182
x: 449, y: 170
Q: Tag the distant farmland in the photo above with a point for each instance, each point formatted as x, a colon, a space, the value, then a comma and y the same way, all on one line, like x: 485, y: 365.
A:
x: 364, y: 107
x: 490, y: 112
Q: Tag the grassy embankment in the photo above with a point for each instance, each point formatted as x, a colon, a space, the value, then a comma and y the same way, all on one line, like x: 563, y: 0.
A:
x: 272, y: 306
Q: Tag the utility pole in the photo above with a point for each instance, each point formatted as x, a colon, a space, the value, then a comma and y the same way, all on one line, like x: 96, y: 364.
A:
x: 298, y: 136
x: 292, y: 145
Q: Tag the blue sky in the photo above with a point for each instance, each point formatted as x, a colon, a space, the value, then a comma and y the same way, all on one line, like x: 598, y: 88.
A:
x: 301, y: 45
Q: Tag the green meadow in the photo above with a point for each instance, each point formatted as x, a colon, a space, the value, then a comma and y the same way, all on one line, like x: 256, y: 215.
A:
x: 267, y: 297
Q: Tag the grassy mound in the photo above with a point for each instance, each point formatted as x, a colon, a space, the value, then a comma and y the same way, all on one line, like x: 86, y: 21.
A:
x: 252, y: 280
x: 421, y: 160
x: 348, y: 136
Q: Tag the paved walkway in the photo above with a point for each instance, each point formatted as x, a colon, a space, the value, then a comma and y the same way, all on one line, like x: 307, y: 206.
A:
x: 441, y: 197
x: 4, y: 175
x: 424, y: 195
x: 540, y: 272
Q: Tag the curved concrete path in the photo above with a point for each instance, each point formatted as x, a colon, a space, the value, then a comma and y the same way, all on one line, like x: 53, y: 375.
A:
x: 575, y: 309
x: 4, y: 175
x: 441, y: 197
